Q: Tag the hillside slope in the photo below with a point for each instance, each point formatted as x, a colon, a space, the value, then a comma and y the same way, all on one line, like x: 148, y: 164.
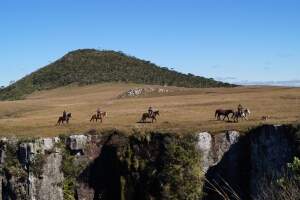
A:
x: 89, y: 66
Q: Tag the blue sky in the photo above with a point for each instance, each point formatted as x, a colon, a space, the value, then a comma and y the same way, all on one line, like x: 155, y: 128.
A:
x: 231, y: 40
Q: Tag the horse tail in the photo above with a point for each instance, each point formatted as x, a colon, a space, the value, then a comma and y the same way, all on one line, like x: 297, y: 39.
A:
x: 216, y: 113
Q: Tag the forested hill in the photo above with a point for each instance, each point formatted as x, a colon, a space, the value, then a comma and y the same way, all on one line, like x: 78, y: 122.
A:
x: 89, y: 66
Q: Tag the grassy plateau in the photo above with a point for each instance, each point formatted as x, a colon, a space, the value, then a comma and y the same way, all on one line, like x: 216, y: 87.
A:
x: 182, y: 110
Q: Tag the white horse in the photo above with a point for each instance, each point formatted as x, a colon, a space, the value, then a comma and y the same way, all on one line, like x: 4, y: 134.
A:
x: 243, y: 115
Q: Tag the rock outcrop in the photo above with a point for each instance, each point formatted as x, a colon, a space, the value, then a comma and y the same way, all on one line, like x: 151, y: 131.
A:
x: 246, y: 164
x: 135, y: 92
x: 213, y: 147
x: 48, y: 184
x: 105, y: 166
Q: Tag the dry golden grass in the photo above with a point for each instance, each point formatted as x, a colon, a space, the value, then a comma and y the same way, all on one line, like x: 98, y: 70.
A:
x: 182, y: 110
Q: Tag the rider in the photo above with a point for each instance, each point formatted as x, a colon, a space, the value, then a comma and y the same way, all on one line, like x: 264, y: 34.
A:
x: 98, y: 112
x: 150, y: 111
x: 64, y: 115
x: 240, y: 109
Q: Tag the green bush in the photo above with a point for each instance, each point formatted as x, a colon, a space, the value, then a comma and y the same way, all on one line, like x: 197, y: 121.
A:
x: 162, y: 166
x: 182, y: 175
x: 287, y: 187
x: 12, y: 165
x: 71, y: 171
x: 37, y: 164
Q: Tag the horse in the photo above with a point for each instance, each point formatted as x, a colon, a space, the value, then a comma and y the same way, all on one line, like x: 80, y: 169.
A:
x: 100, y: 117
x: 243, y: 115
x: 222, y: 112
x: 61, y: 119
x: 246, y: 113
x: 152, y: 117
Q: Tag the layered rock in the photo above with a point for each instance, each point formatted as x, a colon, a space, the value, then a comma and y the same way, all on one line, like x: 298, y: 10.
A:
x: 213, y: 147
x: 48, y: 185
x: 94, y: 166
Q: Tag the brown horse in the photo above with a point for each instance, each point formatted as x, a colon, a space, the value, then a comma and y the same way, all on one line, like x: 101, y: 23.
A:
x: 225, y: 113
x: 95, y: 117
x: 152, y: 117
x: 61, y: 119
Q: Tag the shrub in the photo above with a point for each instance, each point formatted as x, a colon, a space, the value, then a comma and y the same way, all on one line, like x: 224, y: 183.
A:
x: 286, y: 187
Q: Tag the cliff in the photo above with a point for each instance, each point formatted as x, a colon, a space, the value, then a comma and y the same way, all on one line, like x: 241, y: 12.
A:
x: 151, y: 166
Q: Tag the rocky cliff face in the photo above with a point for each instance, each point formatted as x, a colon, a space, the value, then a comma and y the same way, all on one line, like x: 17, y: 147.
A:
x: 151, y: 166
x: 246, y: 164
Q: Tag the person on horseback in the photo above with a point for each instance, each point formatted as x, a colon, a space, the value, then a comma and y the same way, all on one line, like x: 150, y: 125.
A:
x: 98, y: 113
x: 64, y: 115
x: 240, y: 109
x: 150, y: 111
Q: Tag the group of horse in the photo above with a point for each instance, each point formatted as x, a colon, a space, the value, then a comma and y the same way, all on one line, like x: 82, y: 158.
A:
x: 96, y: 117
x: 225, y: 113
x: 235, y: 115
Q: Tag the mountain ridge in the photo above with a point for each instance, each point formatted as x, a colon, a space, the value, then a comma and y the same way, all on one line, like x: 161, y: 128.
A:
x: 91, y: 66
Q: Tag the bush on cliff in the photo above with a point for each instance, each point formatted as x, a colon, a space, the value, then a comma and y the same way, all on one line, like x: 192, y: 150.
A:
x: 161, y: 166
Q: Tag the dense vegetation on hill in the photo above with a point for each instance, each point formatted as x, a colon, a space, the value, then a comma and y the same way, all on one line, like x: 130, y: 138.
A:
x: 89, y: 66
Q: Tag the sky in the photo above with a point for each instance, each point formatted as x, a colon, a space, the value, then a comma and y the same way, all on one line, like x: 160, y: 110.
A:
x: 239, y: 41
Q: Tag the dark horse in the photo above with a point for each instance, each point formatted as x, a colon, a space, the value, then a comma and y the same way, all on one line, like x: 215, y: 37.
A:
x: 225, y: 113
x: 152, y: 117
x: 61, y: 119
x: 95, y: 117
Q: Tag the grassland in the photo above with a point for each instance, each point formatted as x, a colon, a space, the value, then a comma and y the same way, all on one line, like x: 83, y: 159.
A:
x: 182, y: 110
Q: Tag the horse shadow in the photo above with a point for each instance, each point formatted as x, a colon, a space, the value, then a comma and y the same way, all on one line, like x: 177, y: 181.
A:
x: 230, y: 121
x: 145, y: 122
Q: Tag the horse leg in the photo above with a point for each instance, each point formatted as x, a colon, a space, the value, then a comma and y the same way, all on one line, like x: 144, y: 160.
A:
x: 227, y: 117
x: 224, y: 117
x: 236, y: 119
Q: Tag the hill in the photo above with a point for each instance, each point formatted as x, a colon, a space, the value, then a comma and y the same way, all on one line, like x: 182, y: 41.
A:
x: 89, y: 66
